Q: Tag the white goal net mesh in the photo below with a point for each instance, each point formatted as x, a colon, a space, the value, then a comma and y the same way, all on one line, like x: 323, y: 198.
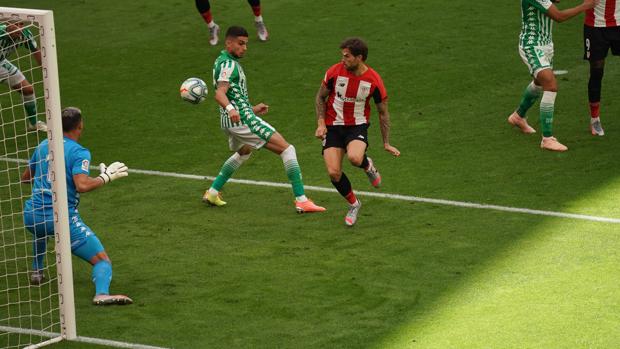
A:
x: 29, y: 300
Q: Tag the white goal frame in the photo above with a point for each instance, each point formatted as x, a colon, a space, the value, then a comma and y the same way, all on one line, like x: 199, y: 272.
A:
x: 51, y: 88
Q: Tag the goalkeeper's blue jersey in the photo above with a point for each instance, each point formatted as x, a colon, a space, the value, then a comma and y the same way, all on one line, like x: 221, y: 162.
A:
x: 77, y: 161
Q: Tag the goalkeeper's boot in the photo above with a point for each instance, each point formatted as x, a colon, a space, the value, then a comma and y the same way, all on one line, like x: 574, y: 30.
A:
x: 38, y: 126
x: 351, y: 216
x: 37, y: 277
x: 213, y: 199
x: 214, y: 32
x: 373, y: 175
x: 307, y: 207
x: 108, y: 299
x: 261, y: 30
x: 515, y: 120
x: 596, y: 127
x: 551, y: 143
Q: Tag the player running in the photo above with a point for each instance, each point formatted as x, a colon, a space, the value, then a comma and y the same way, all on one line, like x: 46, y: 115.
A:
x: 536, y: 50
x: 343, y: 114
x: 38, y: 212
x: 13, y: 35
x: 601, y: 31
x: 245, y: 129
x: 204, y: 8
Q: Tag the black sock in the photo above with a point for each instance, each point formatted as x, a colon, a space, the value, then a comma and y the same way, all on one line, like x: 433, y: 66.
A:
x: 364, y: 163
x: 343, y: 185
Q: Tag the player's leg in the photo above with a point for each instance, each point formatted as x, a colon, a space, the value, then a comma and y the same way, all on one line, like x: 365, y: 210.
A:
x: 17, y: 81
x: 357, y: 143
x: 261, y: 29
x: 546, y: 79
x: 40, y: 226
x: 213, y: 196
x: 277, y: 144
x: 86, y: 245
x: 332, y: 155
x: 596, y: 47
x: 204, y: 8
x: 531, y: 93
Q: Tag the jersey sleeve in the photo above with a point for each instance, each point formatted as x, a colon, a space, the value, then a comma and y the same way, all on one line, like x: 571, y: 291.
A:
x: 379, y: 95
x: 542, y: 5
x: 330, y: 76
x: 227, y: 72
x: 80, y: 162
x: 29, y: 40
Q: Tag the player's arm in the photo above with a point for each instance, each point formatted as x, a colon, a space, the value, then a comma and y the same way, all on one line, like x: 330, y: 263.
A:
x: 320, y: 107
x: 85, y: 183
x: 384, y: 125
x: 37, y: 56
x: 563, y: 15
x: 260, y: 109
x: 26, y: 175
x: 224, y: 102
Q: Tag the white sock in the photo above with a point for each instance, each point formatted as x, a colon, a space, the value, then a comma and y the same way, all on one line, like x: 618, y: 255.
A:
x: 211, y: 24
x: 258, y: 18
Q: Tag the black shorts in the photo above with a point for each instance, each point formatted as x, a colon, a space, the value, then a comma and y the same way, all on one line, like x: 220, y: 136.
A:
x: 340, y: 136
x: 598, y: 40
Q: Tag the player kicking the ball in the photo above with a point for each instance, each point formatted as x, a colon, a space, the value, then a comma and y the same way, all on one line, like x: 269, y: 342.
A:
x: 536, y: 50
x: 343, y: 113
x: 39, y: 216
x: 245, y: 129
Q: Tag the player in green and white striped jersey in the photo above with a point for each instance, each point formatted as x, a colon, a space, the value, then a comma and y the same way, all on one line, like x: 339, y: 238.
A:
x: 536, y: 50
x: 245, y: 129
x: 13, y: 35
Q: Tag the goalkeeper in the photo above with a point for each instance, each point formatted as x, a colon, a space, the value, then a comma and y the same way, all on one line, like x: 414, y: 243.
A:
x: 38, y: 213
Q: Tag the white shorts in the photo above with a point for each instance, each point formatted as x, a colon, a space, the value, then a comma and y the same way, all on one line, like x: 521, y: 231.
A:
x: 10, y: 74
x: 243, y: 135
x: 537, y: 58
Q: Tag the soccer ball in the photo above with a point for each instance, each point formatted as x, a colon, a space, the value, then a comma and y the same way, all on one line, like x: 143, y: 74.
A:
x: 193, y: 90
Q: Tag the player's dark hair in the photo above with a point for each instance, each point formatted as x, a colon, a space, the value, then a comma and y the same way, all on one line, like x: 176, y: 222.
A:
x: 356, y: 46
x: 71, y: 117
x: 236, y: 31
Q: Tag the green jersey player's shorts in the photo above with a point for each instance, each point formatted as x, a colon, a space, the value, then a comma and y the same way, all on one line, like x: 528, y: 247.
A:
x: 537, y: 58
x: 253, y: 131
x: 10, y: 74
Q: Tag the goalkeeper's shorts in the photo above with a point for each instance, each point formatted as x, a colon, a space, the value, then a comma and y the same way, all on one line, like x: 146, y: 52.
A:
x: 10, y: 74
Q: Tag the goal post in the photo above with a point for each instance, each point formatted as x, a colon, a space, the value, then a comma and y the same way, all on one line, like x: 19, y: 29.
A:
x: 16, y: 147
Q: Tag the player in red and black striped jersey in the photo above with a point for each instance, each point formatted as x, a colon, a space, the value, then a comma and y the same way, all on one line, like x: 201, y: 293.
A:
x: 343, y: 114
x: 601, y: 32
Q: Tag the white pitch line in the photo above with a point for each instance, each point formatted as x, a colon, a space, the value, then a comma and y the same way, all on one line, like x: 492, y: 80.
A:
x: 81, y: 339
x: 378, y: 195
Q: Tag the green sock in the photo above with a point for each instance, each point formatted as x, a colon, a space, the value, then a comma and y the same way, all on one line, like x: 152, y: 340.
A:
x: 530, y: 95
x: 293, y: 171
x: 30, y: 104
x: 547, y: 104
x: 227, y: 170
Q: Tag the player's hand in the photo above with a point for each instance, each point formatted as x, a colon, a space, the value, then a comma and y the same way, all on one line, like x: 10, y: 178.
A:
x: 234, y: 116
x: 114, y: 171
x: 321, y: 132
x: 260, y: 109
x: 390, y: 149
x: 589, y: 4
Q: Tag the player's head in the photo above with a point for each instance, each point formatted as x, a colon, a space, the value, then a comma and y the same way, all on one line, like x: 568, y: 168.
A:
x: 354, y: 52
x: 14, y: 28
x: 72, y: 121
x: 236, y: 41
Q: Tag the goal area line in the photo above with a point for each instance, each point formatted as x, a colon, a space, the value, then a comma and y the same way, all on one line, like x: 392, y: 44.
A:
x: 399, y: 197
x: 89, y: 340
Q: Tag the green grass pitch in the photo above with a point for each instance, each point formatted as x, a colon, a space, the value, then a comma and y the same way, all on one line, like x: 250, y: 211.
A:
x: 408, y: 275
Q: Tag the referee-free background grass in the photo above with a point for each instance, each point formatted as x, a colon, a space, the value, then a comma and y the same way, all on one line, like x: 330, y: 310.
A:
x: 256, y: 275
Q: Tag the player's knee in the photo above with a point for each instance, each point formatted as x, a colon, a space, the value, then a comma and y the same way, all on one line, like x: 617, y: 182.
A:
x: 334, y: 174
x: 25, y: 90
x: 356, y: 159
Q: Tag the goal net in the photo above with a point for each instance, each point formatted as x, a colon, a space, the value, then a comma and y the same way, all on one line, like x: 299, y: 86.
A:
x: 36, y: 291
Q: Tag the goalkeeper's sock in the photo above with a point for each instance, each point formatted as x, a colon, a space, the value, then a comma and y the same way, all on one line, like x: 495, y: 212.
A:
x: 30, y: 105
x: 344, y: 188
x: 227, y: 170
x: 39, y: 248
x: 102, y: 277
x: 530, y: 95
x: 293, y: 171
x: 547, y: 105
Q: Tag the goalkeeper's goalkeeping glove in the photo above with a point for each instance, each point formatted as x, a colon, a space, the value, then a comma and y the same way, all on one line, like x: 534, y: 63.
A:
x: 114, y: 171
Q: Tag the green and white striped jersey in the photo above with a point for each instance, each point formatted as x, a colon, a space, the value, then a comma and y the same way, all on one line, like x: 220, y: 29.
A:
x: 8, y: 44
x: 227, y: 68
x: 536, y: 26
